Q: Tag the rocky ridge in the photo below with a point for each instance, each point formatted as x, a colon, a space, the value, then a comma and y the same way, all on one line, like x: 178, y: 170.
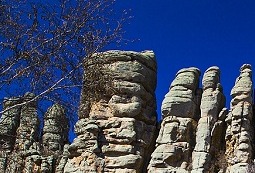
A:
x: 118, y: 131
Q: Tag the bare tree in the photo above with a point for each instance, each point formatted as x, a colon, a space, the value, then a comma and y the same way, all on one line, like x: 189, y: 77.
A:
x: 44, y: 44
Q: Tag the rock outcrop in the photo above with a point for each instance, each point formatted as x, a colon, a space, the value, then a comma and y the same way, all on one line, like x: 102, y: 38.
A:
x: 240, y: 124
x: 116, y: 132
x: 55, y: 130
x: 198, y: 134
x: 21, y: 147
x: 210, y: 128
x: 176, y: 139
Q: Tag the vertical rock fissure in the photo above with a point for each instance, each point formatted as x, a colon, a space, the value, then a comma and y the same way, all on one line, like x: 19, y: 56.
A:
x: 209, y: 126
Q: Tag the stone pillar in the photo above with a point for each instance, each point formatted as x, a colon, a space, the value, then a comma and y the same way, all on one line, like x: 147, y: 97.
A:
x: 55, y: 136
x: 116, y: 131
x: 212, y: 102
x: 27, y: 148
x: 28, y: 131
x: 9, y: 123
x: 176, y: 139
x: 240, y: 130
x: 55, y: 130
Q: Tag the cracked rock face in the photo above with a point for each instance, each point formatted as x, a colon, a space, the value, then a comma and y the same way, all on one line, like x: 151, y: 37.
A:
x: 9, y: 123
x: 21, y: 149
x: 55, y: 131
x: 209, y: 128
x: 176, y: 139
x: 116, y: 133
x: 117, y: 130
x: 192, y: 130
x: 27, y: 146
x: 198, y: 134
x: 240, y: 130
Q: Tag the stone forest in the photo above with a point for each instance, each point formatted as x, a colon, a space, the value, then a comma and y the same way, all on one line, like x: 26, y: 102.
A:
x: 119, y: 132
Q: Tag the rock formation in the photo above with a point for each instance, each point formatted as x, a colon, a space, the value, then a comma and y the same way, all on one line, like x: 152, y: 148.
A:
x: 240, y: 125
x: 116, y: 133
x: 55, y: 131
x: 176, y: 139
x: 9, y: 123
x: 209, y: 130
x: 21, y: 148
x: 197, y: 133
x: 117, y: 130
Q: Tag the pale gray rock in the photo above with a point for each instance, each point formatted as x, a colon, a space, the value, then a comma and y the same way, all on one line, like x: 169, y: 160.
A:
x: 28, y: 131
x: 240, y: 132
x: 116, y: 133
x: 212, y: 102
x: 27, y: 145
x: 9, y: 123
x: 176, y: 138
x: 181, y: 99
x: 27, y: 153
x: 55, y: 130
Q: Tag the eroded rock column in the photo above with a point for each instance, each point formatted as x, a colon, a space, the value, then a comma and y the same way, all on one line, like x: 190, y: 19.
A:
x: 9, y: 123
x: 26, y: 150
x: 55, y: 131
x: 240, y: 130
x: 116, y: 132
x: 180, y: 110
x: 212, y: 103
x: 55, y: 136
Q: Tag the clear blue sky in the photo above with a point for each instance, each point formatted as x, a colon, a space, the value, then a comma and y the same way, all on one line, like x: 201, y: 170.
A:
x: 199, y: 33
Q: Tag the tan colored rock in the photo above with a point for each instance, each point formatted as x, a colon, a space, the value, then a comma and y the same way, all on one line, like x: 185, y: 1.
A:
x: 25, y: 152
x: 116, y: 133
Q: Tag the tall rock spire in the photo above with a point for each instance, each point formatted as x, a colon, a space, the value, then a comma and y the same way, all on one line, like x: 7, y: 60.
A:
x: 212, y: 103
x: 176, y: 139
x: 240, y: 130
x: 55, y: 130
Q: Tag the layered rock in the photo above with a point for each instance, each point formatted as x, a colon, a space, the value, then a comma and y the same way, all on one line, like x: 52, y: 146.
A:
x: 54, y: 139
x: 210, y: 128
x: 19, y: 133
x: 55, y: 130
x: 9, y: 123
x: 180, y: 110
x: 115, y: 133
x: 116, y: 130
x: 240, y: 130
x: 26, y: 148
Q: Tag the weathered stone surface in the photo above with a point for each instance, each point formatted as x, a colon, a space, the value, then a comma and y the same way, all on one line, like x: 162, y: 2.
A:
x: 180, y: 101
x: 117, y: 132
x: 27, y: 138
x: 55, y: 130
x: 240, y: 131
x: 208, y: 127
x: 180, y: 108
x: 19, y: 128
x: 9, y: 123
x: 224, y: 140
